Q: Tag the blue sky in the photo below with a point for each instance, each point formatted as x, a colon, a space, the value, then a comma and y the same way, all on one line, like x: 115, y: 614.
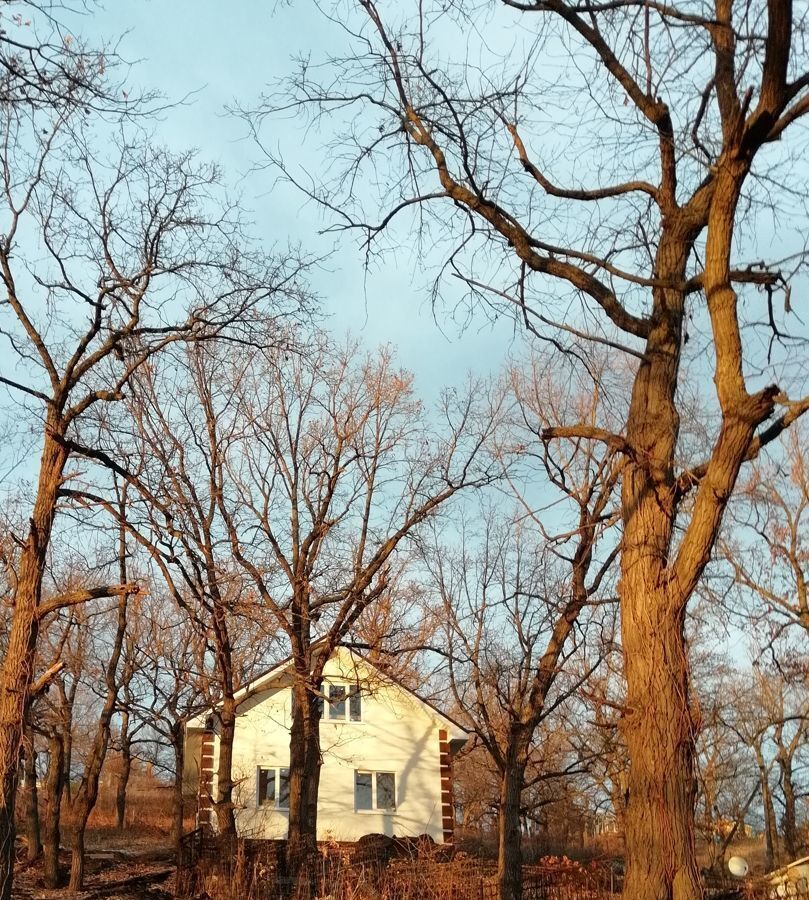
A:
x: 221, y: 53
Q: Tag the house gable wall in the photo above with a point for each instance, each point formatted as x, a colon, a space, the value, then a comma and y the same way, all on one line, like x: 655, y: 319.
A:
x: 397, y: 734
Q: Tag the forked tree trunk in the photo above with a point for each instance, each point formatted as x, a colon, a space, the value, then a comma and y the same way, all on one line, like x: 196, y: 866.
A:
x: 223, y: 804
x: 304, y: 783
x: 509, y: 851
x: 659, y: 728
x: 52, y: 810
x: 32, y: 829
x: 18, y: 663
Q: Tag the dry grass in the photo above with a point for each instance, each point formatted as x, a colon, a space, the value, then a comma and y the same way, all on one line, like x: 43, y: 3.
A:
x: 242, y: 875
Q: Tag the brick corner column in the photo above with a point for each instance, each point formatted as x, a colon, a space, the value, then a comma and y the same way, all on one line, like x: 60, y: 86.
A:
x: 447, y: 807
x: 204, y: 798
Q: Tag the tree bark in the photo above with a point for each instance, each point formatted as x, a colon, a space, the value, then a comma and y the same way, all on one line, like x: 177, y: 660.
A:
x: 178, y: 818
x: 304, y: 782
x: 790, y: 826
x: 122, y: 784
x: 658, y: 728
x: 771, y: 858
x: 52, y: 810
x: 661, y: 855
x: 223, y: 804
x: 32, y: 825
x: 509, y: 855
x: 18, y: 663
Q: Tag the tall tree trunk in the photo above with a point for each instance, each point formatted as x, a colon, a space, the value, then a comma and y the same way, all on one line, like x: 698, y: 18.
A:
x: 770, y: 830
x: 32, y: 829
x: 178, y: 818
x: 121, y: 785
x: 659, y: 815
x: 509, y: 850
x: 223, y: 804
x: 52, y: 810
x: 122, y: 780
x: 18, y: 663
x: 68, y: 756
x: 304, y: 782
x: 659, y: 728
x: 87, y: 795
x: 790, y: 826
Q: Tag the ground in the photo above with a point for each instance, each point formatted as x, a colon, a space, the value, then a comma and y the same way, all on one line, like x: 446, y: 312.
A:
x: 131, y: 865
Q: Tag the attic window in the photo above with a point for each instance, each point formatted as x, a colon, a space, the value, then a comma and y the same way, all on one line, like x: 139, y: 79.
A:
x: 273, y: 787
x: 345, y: 703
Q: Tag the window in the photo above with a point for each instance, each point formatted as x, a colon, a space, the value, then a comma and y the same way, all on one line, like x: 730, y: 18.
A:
x: 385, y: 790
x: 355, y: 703
x: 337, y: 709
x: 273, y: 788
x: 374, y: 790
x: 363, y: 791
x: 337, y: 702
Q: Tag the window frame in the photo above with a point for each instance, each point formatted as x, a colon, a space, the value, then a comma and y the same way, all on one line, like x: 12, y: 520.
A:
x: 352, y: 692
x: 277, y: 779
x: 375, y: 808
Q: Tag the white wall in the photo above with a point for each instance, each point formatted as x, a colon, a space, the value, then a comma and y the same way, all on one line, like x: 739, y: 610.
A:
x: 397, y: 735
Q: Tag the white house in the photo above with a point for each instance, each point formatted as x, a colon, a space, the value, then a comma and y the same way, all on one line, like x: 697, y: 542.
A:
x: 387, y: 756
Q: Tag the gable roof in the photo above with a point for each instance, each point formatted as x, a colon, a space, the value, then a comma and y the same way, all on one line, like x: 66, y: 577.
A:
x: 457, y: 731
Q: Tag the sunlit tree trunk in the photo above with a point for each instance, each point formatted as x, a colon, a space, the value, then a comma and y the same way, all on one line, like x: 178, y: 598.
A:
x: 304, y: 781
x: 509, y: 856
x: 16, y: 673
x: 52, y: 810
x: 32, y: 825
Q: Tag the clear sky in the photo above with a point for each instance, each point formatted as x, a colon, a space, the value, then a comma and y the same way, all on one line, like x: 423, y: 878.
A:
x: 226, y: 52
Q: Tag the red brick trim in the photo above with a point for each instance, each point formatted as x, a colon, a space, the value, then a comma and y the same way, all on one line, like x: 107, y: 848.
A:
x: 206, y: 773
x: 445, y: 765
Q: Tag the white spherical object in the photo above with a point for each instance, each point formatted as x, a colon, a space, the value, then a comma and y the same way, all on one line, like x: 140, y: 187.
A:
x: 737, y: 866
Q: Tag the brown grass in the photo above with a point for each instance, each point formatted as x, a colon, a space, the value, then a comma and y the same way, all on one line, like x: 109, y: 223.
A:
x: 249, y: 873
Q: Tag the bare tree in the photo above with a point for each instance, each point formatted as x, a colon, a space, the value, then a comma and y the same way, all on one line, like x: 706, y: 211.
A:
x: 85, y: 798
x: 173, y: 685
x: 334, y: 466
x: 134, y: 251
x: 514, y: 608
x: 683, y: 116
x: 43, y: 64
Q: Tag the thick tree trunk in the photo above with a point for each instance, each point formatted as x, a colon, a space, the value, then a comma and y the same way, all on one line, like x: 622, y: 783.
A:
x: 32, y: 829
x: 178, y: 800
x: 121, y: 786
x: 77, y: 859
x: 661, y: 855
x: 223, y: 804
x: 509, y: 850
x: 659, y: 728
x: 304, y: 783
x: 52, y: 810
x: 18, y: 663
